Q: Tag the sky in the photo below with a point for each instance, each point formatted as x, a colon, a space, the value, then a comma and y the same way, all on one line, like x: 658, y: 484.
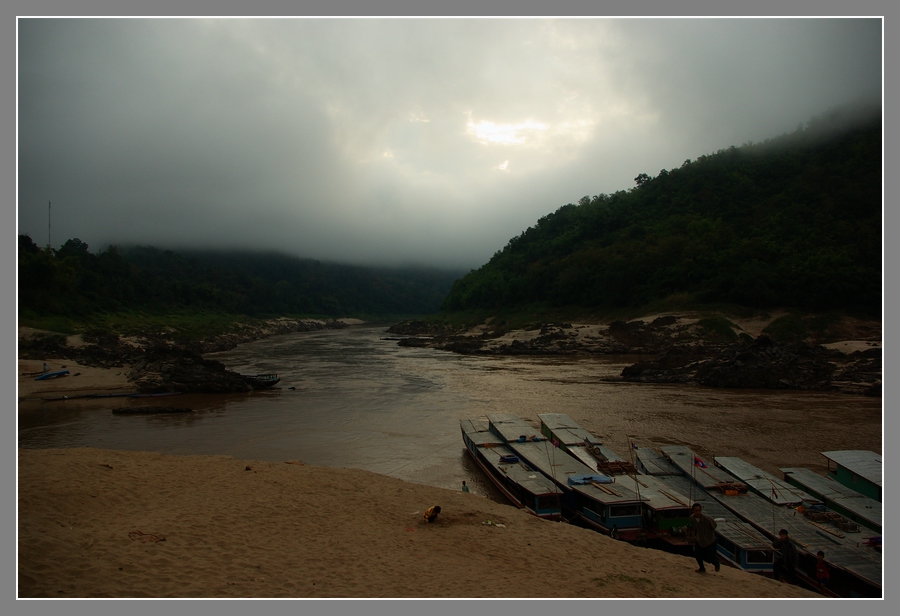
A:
x: 393, y: 142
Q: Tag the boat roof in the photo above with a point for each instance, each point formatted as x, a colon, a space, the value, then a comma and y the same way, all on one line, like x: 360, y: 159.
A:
x: 656, y: 494
x: 728, y: 524
x: 555, y: 462
x: 583, y: 455
x: 765, y: 484
x: 844, y: 552
x: 654, y: 463
x: 512, y: 427
x: 493, y: 449
x: 480, y: 432
x: 623, y: 489
x: 683, y: 457
x: 830, y: 490
x: 866, y: 464
x: 569, y: 433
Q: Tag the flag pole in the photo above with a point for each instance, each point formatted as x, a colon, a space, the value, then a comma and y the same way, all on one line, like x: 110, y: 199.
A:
x: 693, y: 465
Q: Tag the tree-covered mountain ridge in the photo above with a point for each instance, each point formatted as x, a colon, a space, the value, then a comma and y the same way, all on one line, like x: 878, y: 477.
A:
x: 795, y: 221
x: 78, y: 284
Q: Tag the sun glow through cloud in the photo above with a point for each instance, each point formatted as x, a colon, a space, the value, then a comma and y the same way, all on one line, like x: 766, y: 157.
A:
x: 506, y: 134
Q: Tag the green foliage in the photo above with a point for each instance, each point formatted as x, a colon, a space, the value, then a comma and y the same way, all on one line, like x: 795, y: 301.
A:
x: 788, y: 329
x: 794, y: 221
x: 51, y: 323
x: 74, y: 283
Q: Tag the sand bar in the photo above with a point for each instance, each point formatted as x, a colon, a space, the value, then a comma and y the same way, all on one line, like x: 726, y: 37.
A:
x: 98, y: 523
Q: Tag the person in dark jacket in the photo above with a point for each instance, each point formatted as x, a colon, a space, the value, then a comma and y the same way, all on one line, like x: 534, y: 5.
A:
x: 705, y: 543
x: 786, y: 558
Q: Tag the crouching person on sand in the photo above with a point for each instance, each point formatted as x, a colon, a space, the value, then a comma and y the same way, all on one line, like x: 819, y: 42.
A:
x: 431, y: 513
x: 705, y: 544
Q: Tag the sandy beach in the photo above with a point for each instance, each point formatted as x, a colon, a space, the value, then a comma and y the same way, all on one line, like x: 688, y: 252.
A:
x: 97, y: 523
x: 81, y: 380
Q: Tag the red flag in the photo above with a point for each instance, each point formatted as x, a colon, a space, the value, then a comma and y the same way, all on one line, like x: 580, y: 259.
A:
x: 699, y: 462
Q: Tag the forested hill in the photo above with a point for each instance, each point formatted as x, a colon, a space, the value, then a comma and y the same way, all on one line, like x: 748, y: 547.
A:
x: 73, y: 281
x: 794, y: 221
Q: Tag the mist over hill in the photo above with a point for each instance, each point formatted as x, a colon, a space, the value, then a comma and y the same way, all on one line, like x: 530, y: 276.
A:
x: 76, y: 282
x: 793, y: 221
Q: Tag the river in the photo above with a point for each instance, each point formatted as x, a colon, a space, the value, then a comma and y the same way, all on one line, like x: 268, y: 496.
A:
x: 352, y: 398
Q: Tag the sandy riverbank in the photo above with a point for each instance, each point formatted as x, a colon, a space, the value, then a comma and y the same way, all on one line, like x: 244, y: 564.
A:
x: 81, y: 380
x: 96, y: 523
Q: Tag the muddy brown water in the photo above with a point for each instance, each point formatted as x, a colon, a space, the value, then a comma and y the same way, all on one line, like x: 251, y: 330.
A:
x: 350, y: 398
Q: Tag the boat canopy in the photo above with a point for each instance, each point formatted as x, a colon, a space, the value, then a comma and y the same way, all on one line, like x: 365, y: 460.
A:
x: 583, y: 480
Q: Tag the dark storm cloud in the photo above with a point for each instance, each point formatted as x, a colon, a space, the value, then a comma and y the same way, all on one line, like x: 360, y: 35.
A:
x: 387, y: 141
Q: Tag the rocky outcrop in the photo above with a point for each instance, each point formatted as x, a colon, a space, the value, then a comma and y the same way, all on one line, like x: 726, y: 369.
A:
x: 641, y: 337
x: 106, y: 352
x: 249, y: 333
x: 762, y: 364
x: 679, y: 350
x: 165, y: 369
x: 676, y: 364
x: 162, y: 362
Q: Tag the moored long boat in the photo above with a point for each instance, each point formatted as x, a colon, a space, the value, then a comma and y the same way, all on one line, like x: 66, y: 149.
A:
x: 665, y: 512
x: 580, y: 443
x: 854, y: 506
x: 855, y: 570
x: 524, y: 486
x: 589, y: 497
x: 739, y: 544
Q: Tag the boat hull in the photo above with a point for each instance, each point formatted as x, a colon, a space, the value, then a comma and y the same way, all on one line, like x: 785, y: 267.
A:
x: 544, y: 505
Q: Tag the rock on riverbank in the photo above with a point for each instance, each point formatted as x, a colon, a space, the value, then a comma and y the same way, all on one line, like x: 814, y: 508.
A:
x: 161, y: 362
x: 710, y: 351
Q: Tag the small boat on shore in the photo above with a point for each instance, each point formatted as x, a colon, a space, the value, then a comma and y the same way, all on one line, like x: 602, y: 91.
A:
x: 52, y: 375
x: 262, y: 381
x: 525, y: 487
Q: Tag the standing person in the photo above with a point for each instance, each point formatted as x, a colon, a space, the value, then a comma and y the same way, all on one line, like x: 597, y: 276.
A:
x: 786, y: 557
x: 431, y: 513
x: 705, y: 544
x: 823, y: 575
x: 465, y: 488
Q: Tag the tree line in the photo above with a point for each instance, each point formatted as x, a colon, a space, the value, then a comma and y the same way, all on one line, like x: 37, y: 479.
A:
x: 73, y: 281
